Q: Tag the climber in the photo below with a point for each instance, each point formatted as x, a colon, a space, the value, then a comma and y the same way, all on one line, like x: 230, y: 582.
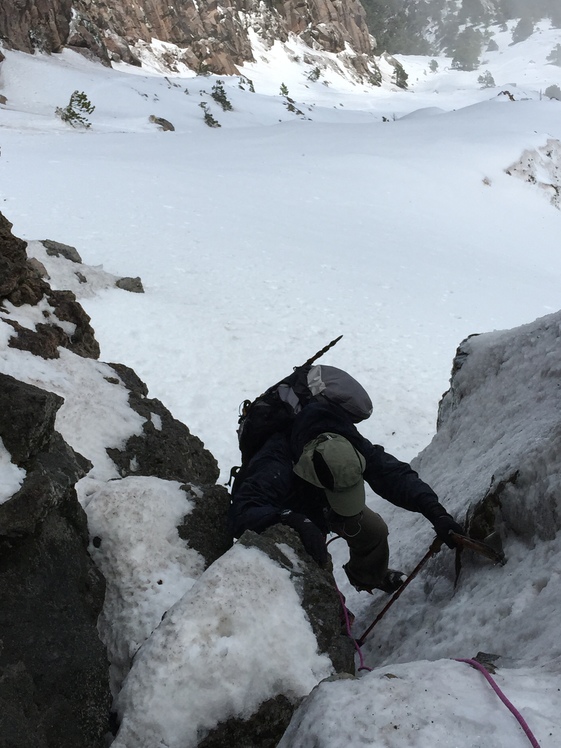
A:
x: 311, y: 477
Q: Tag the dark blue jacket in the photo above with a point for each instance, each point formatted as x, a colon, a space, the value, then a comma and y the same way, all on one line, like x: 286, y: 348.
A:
x: 268, y: 484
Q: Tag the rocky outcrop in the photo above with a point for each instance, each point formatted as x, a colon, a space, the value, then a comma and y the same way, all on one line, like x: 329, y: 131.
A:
x: 64, y: 324
x: 62, y: 265
x: 54, y: 684
x: 317, y: 590
x: 212, y: 37
x: 156, y: 528
x: 230, y: 621
x: 166, y: 448
x: 541, y: 167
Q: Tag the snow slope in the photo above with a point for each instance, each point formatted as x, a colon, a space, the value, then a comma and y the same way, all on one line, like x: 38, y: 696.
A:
x: 381, y: 214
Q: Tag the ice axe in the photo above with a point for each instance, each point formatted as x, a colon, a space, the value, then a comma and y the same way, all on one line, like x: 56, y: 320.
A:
x: 490, y: 548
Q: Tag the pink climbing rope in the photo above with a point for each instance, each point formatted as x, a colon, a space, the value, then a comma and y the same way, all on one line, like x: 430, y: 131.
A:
x: 349, y: 633
x: 348, y: 622
x: 523, y: 724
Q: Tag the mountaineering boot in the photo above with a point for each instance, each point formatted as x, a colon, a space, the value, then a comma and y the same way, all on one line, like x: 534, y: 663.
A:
x: 392, y: 581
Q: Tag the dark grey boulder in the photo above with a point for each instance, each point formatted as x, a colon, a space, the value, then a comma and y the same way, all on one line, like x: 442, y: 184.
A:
x: 133, y: 285
x: 163, y: 124
x: 56, y: 249
x: 54, y: 683
x: 21, y: 283
x: 206, y: 528
x: 166, y: 448
x: 320, y: 600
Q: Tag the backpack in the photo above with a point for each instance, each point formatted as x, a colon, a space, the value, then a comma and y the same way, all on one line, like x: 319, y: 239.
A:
x: 274, y: 410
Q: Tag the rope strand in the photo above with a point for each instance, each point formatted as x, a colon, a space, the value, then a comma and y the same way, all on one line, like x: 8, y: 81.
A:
x: 494, y: 685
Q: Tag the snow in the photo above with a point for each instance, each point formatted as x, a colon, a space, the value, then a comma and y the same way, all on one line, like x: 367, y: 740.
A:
x: 384, y: 215
x: 234, y: 625
x: 146, y: 571
x: 425, y: 704
x: 95, y: 414
x: 11, y: 476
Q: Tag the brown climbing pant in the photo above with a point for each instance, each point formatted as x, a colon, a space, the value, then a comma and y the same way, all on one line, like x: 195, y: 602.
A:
x: 367, y: 538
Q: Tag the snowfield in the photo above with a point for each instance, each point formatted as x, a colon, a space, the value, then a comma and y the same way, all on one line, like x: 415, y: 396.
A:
x: 384, y: 215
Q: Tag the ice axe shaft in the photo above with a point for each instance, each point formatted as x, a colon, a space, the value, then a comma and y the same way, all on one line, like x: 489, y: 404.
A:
x: 319, y: 354
x: 461, y: 541
x: 435, y: 546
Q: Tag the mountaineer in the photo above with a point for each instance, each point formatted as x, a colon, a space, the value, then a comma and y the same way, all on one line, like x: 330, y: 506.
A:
x: 310, y: 475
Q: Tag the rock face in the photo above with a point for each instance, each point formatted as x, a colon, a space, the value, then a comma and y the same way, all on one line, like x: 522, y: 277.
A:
x: 65, y: 322
x: 159, y: 533
x: 165, y: 449
x: 227, y: 635
x: 317, y: 590
x: 499, y: 423
x: 214, y: 37
x: 320, y: 601
x: 54, y: 684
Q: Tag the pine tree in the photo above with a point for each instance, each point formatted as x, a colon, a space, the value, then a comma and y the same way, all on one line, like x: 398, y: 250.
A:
x: 219, y: 95
x: 467, y: 49
x: 473, y: 11
x: 555, y: 56
x: 486, y: 80
x: 399, y: 75
x: 553, y: 92
x: 524, y: 28
x: 76, y: 109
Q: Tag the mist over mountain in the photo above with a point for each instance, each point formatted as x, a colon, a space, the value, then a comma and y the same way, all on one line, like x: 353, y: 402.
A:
x: 433, y: 26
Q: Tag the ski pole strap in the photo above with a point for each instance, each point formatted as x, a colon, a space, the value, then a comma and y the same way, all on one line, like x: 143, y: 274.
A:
x: 435, y: 546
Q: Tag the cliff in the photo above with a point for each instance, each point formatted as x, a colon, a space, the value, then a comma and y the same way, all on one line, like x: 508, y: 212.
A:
x: 211, y: 37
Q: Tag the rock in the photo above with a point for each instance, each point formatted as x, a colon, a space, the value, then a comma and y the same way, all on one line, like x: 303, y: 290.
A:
x: 210, y: 36
x: 134, y: 285
x: 54, y: 684
x: 264, y: 728
x: 119, y: 50
x: 541, y: 167
x: 318, y: 593
x: 166, y: 449
x: 56, y: 249
x: 27, y: 417
x: 82, y: 341
x: 3, y: 99
x: 206, y: 527
x: 87, y: 37
x: 21, y: 282
x: 225, y: 636
x: 38, y: 267
x: 498, y: 422
x: 317, y: 589
x: 13, y: 260
x: 162, y: 123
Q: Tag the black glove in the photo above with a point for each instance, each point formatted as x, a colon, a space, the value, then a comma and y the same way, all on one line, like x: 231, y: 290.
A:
x: 312, y: 537
x: 444, y: 525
